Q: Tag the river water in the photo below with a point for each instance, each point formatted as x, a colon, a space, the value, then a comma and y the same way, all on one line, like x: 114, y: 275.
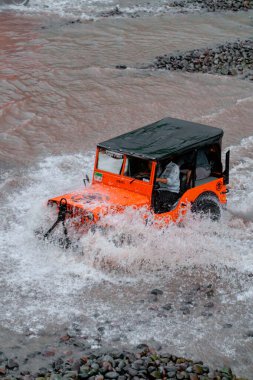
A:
x: 60, y: 94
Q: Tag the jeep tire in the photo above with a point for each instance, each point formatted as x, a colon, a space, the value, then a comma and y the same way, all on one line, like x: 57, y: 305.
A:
x: 207, y: 206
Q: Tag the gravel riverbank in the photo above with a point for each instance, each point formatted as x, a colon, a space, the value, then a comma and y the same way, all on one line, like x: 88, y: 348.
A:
x: 187, y: 5
x: 216, y: 5
x: 231, y: 58
x: 141, y: 363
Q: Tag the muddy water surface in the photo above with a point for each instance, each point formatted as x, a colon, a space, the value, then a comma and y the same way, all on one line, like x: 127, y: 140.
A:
x: 60, y: 95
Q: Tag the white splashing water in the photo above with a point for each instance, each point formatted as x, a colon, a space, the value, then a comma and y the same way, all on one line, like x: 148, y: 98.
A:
x: 91, y: 9
x: 42, y: 284
x: 34, y: 273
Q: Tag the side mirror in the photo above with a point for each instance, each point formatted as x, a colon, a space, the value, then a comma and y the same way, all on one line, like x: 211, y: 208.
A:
x: 86, y: 180
x: 226, y: 171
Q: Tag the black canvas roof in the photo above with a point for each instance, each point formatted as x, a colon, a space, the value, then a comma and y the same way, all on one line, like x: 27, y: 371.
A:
x: 164, y: 138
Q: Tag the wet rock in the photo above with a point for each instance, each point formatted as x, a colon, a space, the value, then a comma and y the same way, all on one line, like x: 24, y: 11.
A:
x: 113, y: 12
x: 198, y: 369
x: 167, y: 307
x: 64, y: 338
x: 2, y: 371
x: 227, y: 325
x: 58, y: 364
x: 209, y: 305
x: 226, y: 371
x: 181, y: 375
x: 142, y: 346
x: 30, y: 377
x: 49, y: 353
x: 107, y: 366
x: 121, y: 67
x: 157, y: 292
x: 42, y: 372
x: 99, y: 377
x: 108, y: 358
x: 189, y: 369
x: 12, y: 364
x: 101, y: 329
x: 54, y: 376
x: 210, y: 293
x: 194, y: 376
x: 188, y: 301
x: 111, y: 375
x: 206, y: 369
x: 206, y: 314
x: 132, y: 372
x: 2, y: 356
x: 249, y: 334
x: 185, y: 310
x: 70, y: 375
x: 32, y: 355
x: 156, y: 375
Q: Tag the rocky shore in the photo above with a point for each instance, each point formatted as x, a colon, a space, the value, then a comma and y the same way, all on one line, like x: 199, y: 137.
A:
x: 184, y: 5
x: 216, y: 5
x: 231, y: 58
x: 141, y: 363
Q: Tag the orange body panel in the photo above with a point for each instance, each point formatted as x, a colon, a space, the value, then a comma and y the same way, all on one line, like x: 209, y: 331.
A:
x: 216, y: 187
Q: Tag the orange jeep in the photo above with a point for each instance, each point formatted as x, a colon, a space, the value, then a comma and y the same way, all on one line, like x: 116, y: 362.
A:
x: 165, y: 168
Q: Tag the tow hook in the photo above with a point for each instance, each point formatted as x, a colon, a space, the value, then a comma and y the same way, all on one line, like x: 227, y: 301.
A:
x: 61, y: 218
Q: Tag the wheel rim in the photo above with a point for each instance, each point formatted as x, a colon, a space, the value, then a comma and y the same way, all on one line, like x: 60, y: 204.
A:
x: 212, y: 212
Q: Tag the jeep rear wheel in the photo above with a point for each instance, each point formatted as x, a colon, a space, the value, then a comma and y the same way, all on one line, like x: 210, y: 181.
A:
x: 207, y: 207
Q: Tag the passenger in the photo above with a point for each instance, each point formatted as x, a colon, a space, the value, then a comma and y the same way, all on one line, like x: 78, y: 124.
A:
x: 170, y: 181
x: 213, y: 155
x: 203, y: 168
x: 185, y: 165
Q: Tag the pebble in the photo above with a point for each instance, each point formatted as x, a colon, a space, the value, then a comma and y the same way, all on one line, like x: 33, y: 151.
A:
x: 2, y: 371
x: 121, y: 67
x: 227, y: 325
x: 168, y: 306
x: 111, y: 375
x: 209, y: 305
x: 12, y: 364
x: 156, y: 292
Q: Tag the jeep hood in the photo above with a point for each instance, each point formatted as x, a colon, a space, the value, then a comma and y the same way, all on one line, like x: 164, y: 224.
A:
x: 99, y: 197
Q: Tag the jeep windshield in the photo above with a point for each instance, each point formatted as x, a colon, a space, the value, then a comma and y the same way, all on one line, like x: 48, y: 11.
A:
x: 128, y: 166
x: 110, y: 162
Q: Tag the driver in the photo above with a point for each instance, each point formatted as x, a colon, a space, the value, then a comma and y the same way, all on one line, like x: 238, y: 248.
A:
x: 170, y: 180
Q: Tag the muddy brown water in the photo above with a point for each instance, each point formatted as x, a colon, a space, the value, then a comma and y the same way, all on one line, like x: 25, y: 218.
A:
x: 60, y: 94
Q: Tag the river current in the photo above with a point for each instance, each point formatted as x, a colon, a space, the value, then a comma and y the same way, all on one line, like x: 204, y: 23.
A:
x: 60, y: 94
